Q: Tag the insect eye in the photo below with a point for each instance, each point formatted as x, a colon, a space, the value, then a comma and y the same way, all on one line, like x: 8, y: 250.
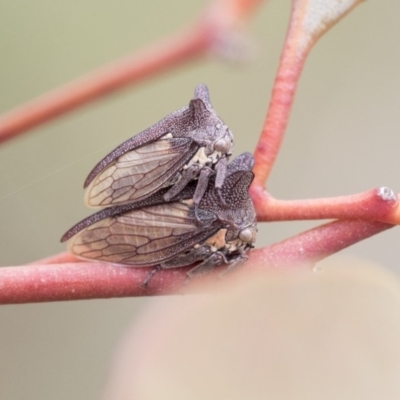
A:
x: 222, y: 145
x: 246, y: 235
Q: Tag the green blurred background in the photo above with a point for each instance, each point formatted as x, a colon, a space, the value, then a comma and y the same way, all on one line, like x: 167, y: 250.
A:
x: 343, y: 138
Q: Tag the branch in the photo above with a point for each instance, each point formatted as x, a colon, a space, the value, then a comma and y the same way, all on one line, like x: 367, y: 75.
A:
x: 309, y: 247
x: 218, y: 22
x: 63, y: 278
x: 308, y: 22
x: 86, y: 280
x: 380, y: 204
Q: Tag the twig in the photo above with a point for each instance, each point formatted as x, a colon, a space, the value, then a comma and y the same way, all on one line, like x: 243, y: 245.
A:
x: 87, y: 280
x: 308, y: 22
x: 219, y: 19
x: 379, y: 204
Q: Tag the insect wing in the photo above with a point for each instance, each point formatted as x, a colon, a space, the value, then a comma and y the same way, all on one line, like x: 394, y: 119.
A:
x: 140, y: 172
x: 242, y: 164
x: 147, y: 236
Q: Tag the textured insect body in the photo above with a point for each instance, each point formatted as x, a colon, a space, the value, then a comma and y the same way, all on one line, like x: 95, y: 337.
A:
x: 189, y: 144
x: 220, y: 229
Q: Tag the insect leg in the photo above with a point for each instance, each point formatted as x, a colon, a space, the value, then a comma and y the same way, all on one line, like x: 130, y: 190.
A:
x: 201, y: 187
x: 145, y: 283
x: 182, y: 260
x: 202, y: 184
x: 221, y: 171
x: 188, y: 175
x: 207, y: 265
x: 221, y: 168
x: 187, y: 258
x: 233, y: 264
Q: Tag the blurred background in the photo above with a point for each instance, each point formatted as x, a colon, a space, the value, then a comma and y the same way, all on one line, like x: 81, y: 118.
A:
x: 343, y: 138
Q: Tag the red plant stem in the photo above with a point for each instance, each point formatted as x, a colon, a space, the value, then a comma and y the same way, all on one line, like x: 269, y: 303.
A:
x: 73, y: 281
x: 218, y: 20
x: 301, y: 36
x: 379, y: 204
x: 84, y: 280
x: 99, y: 83
x: 289, y: 70
x: 309, y: 247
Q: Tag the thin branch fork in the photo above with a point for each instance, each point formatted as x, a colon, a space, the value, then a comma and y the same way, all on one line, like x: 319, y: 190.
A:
x: 307, y: 25
x: 62, y: 277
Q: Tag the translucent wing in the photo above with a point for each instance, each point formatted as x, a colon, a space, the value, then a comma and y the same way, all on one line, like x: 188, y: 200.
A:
x: 140, y: 172
x: 147, y: 236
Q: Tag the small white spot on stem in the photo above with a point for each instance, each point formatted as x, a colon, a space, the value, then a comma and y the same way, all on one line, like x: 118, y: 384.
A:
x: 387, y: 194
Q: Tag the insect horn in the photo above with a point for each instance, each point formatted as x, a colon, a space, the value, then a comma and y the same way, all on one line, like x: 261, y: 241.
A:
x: 201, y: 92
